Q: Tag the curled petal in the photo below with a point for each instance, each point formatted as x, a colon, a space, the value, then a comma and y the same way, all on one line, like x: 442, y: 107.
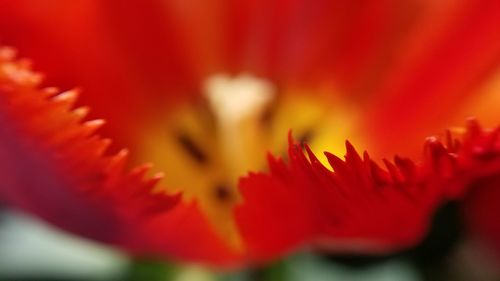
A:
x: 55, y: 165
x: 42, y: 126
x: 358, y: 206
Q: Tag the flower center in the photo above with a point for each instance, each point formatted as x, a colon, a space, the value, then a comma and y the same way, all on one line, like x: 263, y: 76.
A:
x: 204, y: 146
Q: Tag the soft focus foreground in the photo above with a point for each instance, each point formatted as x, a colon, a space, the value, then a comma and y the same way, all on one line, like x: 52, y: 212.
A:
x: 204, y: 90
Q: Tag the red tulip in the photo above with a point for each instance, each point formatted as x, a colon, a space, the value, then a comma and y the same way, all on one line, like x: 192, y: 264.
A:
x: 382, y: 74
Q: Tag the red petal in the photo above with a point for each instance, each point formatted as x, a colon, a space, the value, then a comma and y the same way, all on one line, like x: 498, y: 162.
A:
x: 54, y: 165
x: 438, y: 69
x: 359, y: 207
x: 108, y: 60
x: 182, y: 234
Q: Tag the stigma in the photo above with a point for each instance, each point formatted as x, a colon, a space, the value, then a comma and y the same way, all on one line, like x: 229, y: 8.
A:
x: 238, y: 105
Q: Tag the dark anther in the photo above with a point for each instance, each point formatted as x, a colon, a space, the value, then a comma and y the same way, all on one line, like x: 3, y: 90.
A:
x: 223, y: 192
x: 306, y: 136
x: 192, y: 148
x: 268, y: 114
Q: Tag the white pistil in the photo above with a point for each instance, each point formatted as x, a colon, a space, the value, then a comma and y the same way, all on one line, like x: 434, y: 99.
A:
x: 238, y: 105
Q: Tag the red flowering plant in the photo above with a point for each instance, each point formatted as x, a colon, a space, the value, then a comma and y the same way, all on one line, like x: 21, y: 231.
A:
x: 204, y: 90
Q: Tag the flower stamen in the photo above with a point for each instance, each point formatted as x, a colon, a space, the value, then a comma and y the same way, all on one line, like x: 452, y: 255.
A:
x: 238, y: 105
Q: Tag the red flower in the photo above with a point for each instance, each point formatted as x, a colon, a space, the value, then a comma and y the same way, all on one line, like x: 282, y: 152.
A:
x: 373, y: 73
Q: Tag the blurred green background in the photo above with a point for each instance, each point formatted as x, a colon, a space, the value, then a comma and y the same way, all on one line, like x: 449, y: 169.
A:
x: 32, y: 250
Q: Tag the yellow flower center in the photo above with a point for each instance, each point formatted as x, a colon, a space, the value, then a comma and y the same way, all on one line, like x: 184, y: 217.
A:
x: 206, y: 145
